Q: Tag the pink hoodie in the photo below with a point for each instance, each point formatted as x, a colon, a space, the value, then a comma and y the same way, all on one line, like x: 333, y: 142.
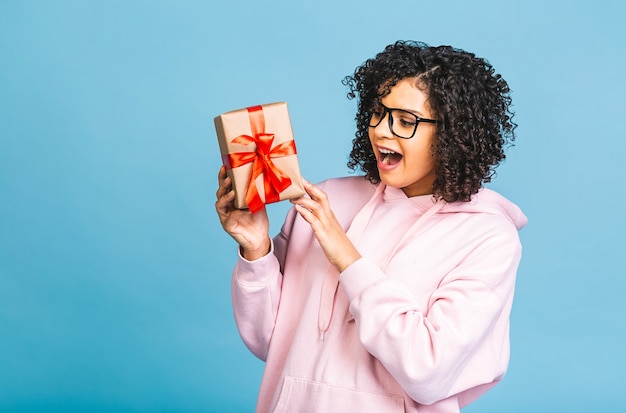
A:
x: 419, y: 324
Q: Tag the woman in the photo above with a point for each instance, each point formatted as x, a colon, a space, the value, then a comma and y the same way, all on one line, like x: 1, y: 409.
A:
x: 390, y: 292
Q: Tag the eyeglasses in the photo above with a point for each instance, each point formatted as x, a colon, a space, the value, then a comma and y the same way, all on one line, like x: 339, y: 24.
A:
x: 402, y: 123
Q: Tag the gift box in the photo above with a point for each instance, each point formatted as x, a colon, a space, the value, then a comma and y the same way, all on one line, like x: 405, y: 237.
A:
x: 259, y: 153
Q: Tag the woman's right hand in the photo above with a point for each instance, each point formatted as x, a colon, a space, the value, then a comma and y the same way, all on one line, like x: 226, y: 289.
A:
x: 251, y: 231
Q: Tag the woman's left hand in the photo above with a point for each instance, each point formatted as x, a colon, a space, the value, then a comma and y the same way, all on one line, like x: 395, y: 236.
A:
x: 329, y: 233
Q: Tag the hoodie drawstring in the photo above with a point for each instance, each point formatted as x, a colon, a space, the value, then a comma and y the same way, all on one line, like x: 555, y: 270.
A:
x: 331, y: 279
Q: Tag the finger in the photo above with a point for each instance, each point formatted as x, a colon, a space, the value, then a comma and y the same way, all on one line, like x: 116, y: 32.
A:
x: 306, y: 214
x: 307, y: 203
x: 227, y: 197
x: 224, y: 204
x: 224, y: 187
x: 221, y: 174
x: 315, y: 193
x: 308, y: 187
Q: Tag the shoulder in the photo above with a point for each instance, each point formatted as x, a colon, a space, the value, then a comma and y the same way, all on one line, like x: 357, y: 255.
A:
x: 347, y: 195
x: 348, y: 186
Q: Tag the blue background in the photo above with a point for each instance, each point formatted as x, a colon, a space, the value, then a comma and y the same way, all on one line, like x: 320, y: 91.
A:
x: 114, y: 271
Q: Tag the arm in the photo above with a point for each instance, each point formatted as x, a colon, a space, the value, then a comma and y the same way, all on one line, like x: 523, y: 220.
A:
x: 256, y: 289
x: 459, y: 341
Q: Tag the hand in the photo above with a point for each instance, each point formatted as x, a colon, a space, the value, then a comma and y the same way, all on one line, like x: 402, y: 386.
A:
x: 316, y: 211
x: 251, y: 231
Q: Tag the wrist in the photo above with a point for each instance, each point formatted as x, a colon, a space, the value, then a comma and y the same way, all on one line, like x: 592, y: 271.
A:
x: 347, y: 261
x: 252, y: 254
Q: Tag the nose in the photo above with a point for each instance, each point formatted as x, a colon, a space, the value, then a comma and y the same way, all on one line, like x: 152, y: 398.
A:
x: 383, y: 129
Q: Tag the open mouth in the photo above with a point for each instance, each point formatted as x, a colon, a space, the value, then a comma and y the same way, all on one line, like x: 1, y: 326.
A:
x: 388, y: 157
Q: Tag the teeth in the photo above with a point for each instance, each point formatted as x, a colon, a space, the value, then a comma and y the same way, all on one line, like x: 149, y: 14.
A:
x: 385, y: 155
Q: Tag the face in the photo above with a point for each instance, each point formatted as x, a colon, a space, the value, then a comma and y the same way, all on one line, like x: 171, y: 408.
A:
x: 406, y: 163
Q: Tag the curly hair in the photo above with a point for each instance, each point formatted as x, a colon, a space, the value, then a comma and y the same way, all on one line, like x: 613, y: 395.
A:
x: 471, y: 102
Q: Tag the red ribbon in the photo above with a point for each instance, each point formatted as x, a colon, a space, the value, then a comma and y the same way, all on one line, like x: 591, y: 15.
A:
x: 274, y: 180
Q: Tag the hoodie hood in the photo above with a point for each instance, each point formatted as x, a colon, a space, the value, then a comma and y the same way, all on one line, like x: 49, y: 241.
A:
x: 487, y: 201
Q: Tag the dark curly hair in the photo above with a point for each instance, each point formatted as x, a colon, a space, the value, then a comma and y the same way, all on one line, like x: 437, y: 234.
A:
x: 471, y: 102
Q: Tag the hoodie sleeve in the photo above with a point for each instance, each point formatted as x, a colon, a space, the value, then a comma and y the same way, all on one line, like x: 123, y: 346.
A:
x: 256, y: 288
x: 459, y: 342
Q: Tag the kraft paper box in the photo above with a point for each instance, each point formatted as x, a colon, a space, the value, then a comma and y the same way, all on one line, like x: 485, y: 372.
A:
x: 259, y: 153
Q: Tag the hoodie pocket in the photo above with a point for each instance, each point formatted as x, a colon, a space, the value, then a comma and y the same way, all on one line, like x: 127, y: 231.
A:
x: 305, y: 396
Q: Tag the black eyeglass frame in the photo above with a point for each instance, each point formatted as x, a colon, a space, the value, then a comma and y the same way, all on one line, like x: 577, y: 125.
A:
x: 387, y: 111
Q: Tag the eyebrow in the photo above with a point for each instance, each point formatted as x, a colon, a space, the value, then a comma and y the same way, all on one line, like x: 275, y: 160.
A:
x: 415, y: 112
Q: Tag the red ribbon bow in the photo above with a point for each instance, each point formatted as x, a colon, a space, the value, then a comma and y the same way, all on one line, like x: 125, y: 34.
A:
x: 274, y: 180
